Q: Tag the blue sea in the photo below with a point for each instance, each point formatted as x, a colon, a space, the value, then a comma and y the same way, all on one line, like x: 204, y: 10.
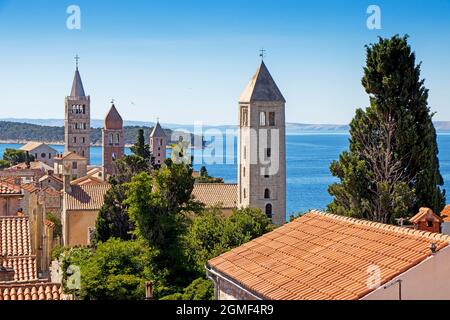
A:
x: 308, y: 157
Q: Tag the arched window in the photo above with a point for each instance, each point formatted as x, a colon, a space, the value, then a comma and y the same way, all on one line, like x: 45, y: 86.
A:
x: 269, y: 210
x: 111, y: 138
x: 267, y: 194
x: 113, y: 156
x: 117, y: 138
x: 245, y: 193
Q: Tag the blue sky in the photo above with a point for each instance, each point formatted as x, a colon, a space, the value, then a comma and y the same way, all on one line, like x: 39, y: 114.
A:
x: 189, y: 60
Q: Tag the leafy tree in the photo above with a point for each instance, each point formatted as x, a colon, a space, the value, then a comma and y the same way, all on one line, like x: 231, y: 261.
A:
x: 204, y: 172
x: 113, y: 220
x: 4, y: 164
x: 13, y: 156
x: 212, y: 234
x: 140, y: 148
x: 158, y: 206
x: 392, y: 168
x: 199, y: 289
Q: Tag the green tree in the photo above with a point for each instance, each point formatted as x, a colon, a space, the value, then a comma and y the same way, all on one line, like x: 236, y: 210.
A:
x: 14, y: 156
x: 392, y: 167
x: 113, y: 220
x: 140, y: 148
x: 116, y: 270
x: 212, y: 234
x: 199, y: 289
x: 4, y: 164
x: 158, y: 205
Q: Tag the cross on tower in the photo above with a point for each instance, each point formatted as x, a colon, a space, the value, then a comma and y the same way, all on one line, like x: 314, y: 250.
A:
x: 262, y: 54
x: 112, y: 101
x: 76, y: 59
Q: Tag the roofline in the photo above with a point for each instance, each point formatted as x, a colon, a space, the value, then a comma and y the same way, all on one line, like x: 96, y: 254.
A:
x: 384, y: 226
x: 210, y: 269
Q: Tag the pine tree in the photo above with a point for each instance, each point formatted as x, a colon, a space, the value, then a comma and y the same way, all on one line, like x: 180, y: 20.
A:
x: 392, y: 166
x: 140, y: 148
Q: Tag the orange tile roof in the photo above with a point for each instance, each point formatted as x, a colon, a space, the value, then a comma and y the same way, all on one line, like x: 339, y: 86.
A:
x: 15, y: 247
x: 86, y: 197
x: 324, y: 256
x: 29, y: 187
x: 88, y: 180
x: 425, y: 213
x: 7, y: 188
x: 212, y: 194
x: 445, y: 214
x: 36, y: 291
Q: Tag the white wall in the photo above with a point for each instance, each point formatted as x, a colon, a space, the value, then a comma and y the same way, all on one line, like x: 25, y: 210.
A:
x: 446, y: 228
x: 429, y: 280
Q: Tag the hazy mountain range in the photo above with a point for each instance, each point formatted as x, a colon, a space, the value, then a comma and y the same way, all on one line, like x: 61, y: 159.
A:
x: 291, y: 128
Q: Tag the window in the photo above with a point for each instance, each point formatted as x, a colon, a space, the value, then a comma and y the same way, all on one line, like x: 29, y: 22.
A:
x: 271, y: 118
x: 117, y: 138
x: 160, y: 142
x: 74, y: 139
x: 245, y: 193
x: 269, y: 210
x: 243, y: 169
x: 430, y: 224
x: 74, y: 165
x: 83, y: 139
x: 267, y: 194
x: 269, y: 152
x: 76, y: 125
x: 113, y: 156
x: 43, y: 155
x: 82, y: 153
x: 35, y: 156
x: 159, y: 154
x: 244, y: 116
x: 49, y: 155
x: 84, y: 109
x: 111, y: 138
x: 262, y: 119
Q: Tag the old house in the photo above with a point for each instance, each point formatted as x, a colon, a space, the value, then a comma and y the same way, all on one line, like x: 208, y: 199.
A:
x: 330, y: 257
x: 11, y: 195
x: 81, y: 204
x: 221, y: 195
x: 40, y: 151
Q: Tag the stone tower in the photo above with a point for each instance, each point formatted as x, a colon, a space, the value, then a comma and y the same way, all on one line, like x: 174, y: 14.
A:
x: 113, y: 141
x: 77, y: 120
x: 261, y: 147
x: 158, y: 142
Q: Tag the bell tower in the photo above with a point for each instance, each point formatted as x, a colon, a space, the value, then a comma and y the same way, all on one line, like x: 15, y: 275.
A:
x: 77, y: 119
x: 261, y: 147
x: 113, y: 141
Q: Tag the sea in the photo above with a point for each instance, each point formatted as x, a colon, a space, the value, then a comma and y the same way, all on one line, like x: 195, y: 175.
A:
x: 308, y: 158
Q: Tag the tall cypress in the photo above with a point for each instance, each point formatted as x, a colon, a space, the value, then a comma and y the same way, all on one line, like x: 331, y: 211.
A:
x: 392, y: 166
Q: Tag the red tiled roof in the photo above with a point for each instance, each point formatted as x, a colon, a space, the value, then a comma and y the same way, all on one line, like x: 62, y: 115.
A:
x: 15, y: 247
x: 88, y: 180
x: 445, y: 214
x: 425, y: 213
x: 324, y: 256
x: 29, y: 187
x: 7, y: 188
x: 212, y: 194
x: 86, y: 197
x: 36, y: 291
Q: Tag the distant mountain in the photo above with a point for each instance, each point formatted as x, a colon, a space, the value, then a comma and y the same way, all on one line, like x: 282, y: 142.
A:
x: 291, y: 128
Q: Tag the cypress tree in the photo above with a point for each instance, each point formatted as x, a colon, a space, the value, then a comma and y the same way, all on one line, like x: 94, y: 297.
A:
x: 392, y: 166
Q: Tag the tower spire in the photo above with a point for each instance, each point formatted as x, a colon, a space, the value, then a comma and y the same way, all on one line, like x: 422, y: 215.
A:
x: 77, y: 58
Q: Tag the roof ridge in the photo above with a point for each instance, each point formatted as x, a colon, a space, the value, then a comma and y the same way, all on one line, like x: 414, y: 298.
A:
x: 384, y: 226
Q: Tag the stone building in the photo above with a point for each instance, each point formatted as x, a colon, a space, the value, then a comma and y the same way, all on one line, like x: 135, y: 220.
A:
x: 113, y: 141
x: 77, y: 123
x: 70, y: 165
x: 261, y: 147
x: 158, y: 142
x: 11, y: 195
x: 40, y: 151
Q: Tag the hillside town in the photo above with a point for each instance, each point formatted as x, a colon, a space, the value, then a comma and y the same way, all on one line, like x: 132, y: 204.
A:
x: 55, y: 200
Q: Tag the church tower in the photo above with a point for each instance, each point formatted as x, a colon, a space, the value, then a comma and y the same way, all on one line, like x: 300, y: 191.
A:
x: 158, y: 142
x: 113, y: 141
x: 261, y: 147
x: 77, y: 120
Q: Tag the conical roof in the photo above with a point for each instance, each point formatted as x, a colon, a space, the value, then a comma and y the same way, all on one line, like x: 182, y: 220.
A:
x: 262, y: 87
x: 113, y: 120
x: 158, y: 131
x: 77, y: 86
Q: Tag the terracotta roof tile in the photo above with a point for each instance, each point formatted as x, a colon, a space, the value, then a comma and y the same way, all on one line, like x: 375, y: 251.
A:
x: 7, y: 188
x: 213, y: 194
x: 323, y: 256
x: 31, y: 291
x: 15, y: 247
x: 86, y: 197
x: 446, y: 213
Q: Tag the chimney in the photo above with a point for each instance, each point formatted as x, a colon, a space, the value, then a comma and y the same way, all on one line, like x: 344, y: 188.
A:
x: 427, y: 220
x: 148, y: 290
x: 66, y: 183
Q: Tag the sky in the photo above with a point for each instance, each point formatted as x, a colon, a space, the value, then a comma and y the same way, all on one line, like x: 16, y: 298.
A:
x: 189, y: 60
